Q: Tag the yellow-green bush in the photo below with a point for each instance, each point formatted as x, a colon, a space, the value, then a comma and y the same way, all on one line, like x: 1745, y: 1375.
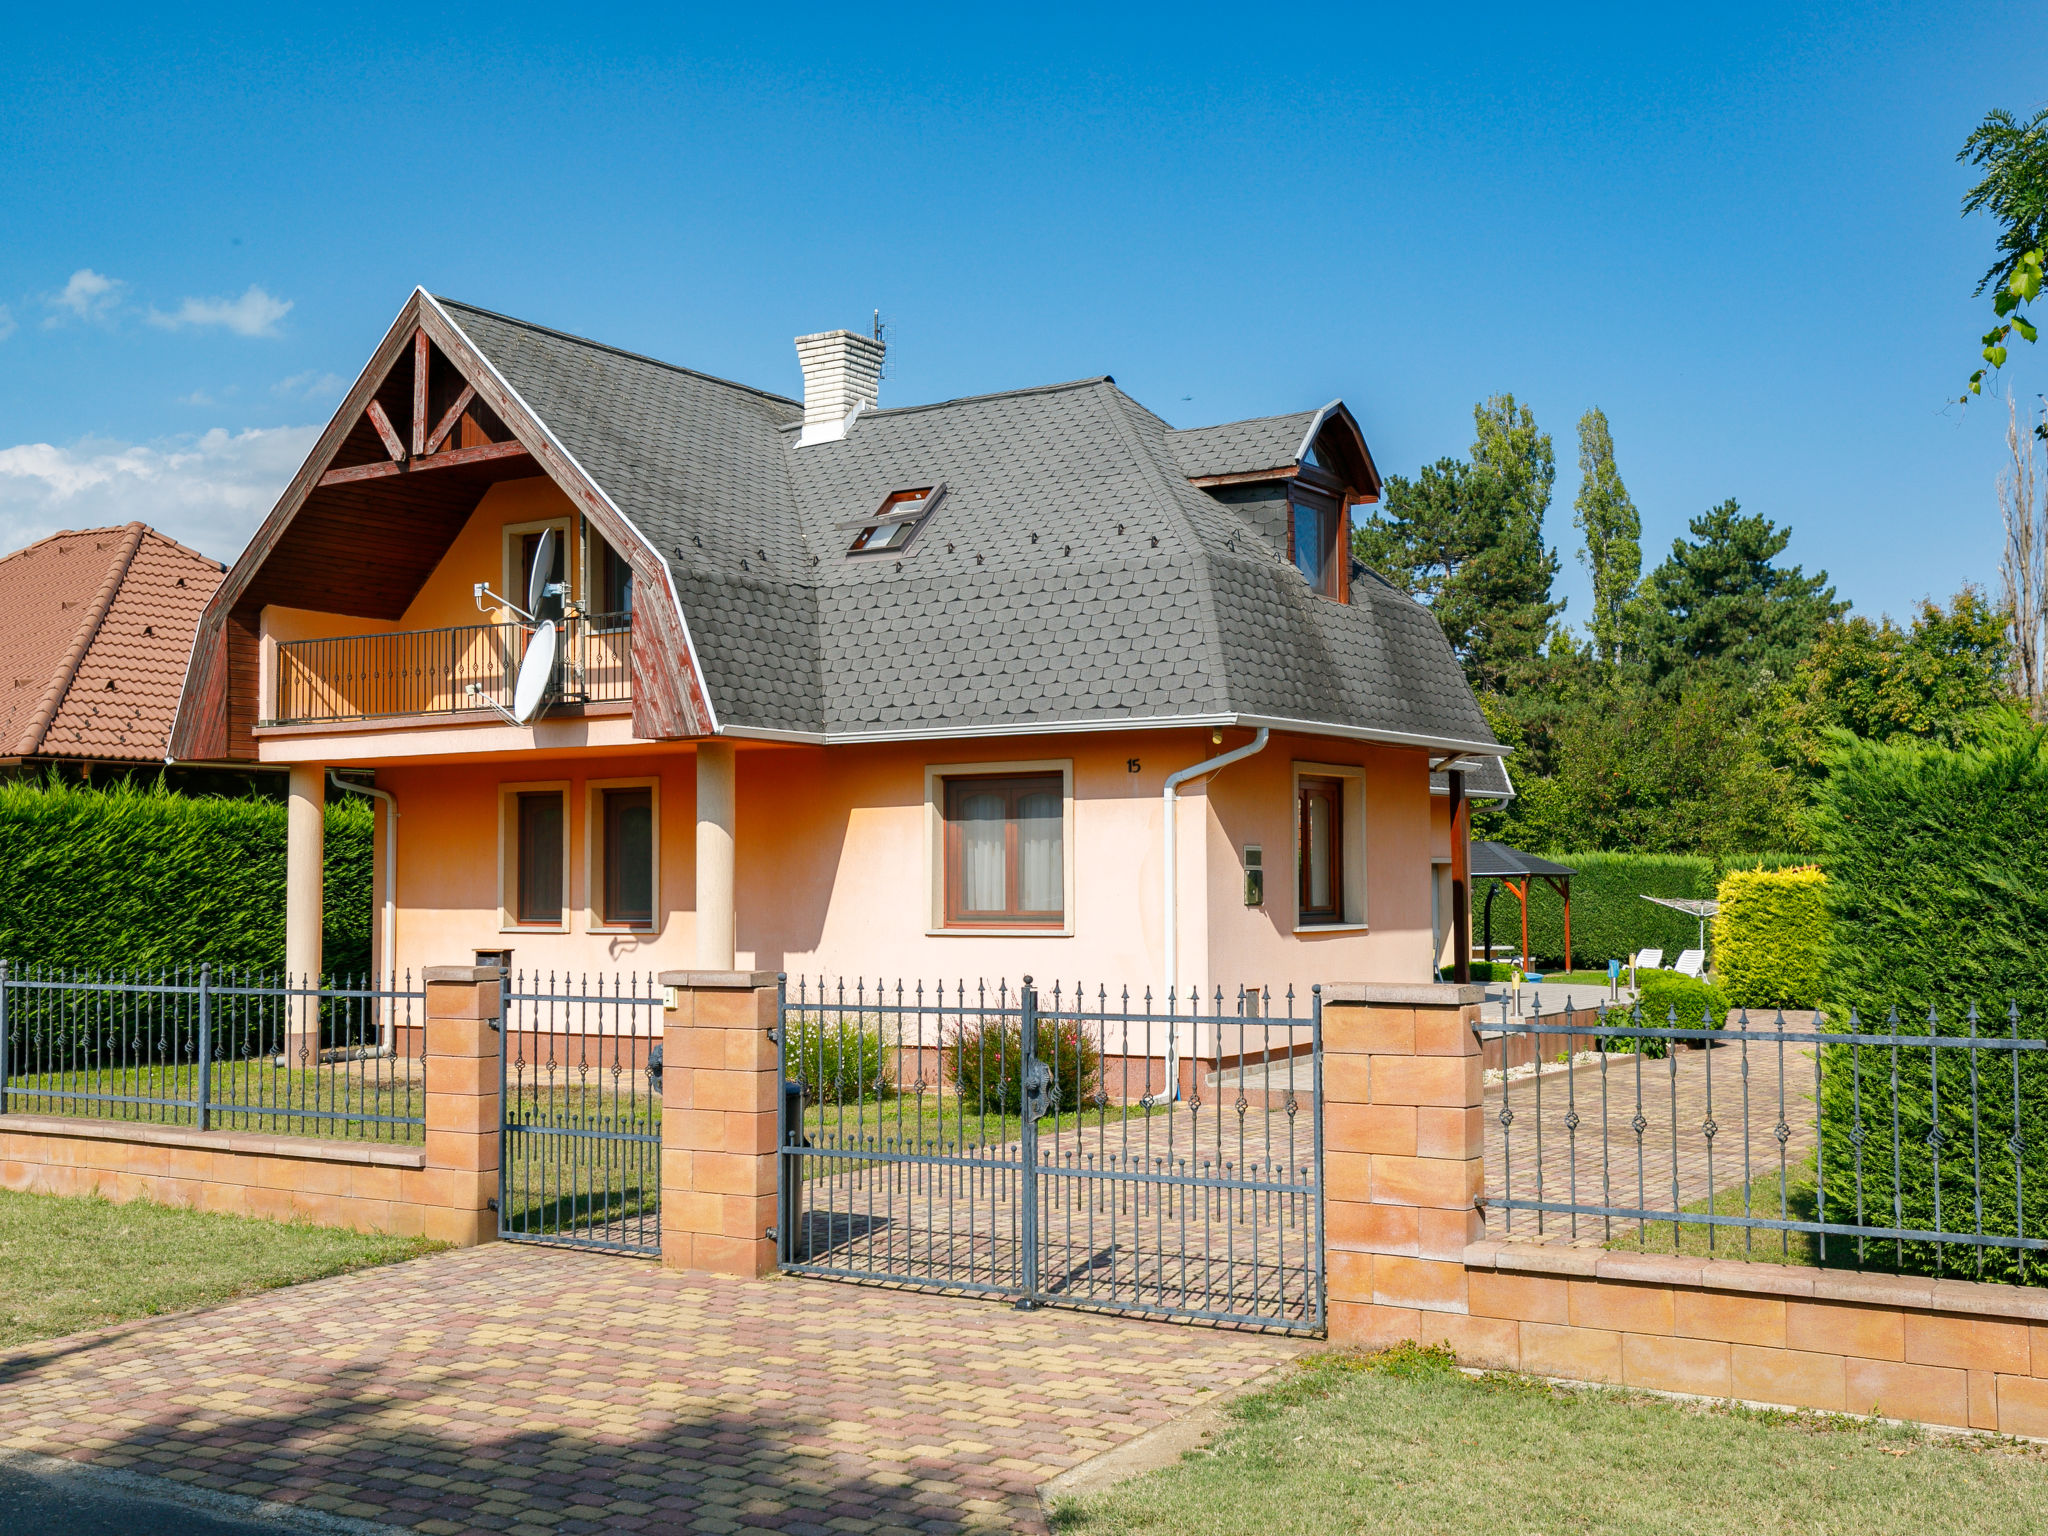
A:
x: 1771, y: 936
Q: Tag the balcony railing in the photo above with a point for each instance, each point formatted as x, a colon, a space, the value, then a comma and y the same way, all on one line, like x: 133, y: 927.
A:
x: 445, y: 671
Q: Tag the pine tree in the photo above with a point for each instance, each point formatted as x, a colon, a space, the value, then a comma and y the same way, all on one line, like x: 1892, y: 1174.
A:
x: 1718, y: 601
x: 1613, y: 532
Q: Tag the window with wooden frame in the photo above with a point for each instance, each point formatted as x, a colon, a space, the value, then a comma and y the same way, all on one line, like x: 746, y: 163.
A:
x: 521, y: 542
x: 533, y: 855
x: 611, y: 585
x: 1329, y: 846
x: 1316, y: 529
x: 1005, y: 850
x: 894, y: 524
x: 623, y: 822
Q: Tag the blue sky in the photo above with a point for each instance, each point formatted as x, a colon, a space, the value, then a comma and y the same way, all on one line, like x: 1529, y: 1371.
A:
x: 1734, y: 229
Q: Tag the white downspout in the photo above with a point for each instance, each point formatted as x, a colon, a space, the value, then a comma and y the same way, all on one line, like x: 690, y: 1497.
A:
x: 1170, y: 903
x: 387, y: 1033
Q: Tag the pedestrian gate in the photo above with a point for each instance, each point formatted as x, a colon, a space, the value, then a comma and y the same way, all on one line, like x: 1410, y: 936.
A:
x: 1112, y: 1154
x: 579, y: 1162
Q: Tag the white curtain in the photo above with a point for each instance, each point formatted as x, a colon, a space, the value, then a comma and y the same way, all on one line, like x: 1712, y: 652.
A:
x: 981, y: 851
x: 1041, y: 881
x: 1319, y: 851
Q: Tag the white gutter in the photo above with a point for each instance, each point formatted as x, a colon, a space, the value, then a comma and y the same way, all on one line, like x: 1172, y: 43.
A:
x: 387, y: 1034
x: 1117, y: 723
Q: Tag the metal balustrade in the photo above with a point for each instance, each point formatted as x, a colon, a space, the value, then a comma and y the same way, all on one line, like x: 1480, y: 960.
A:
x: 463, y: 670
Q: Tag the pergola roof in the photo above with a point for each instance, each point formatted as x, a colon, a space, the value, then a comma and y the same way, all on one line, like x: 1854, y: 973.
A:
x: 1498, y: 860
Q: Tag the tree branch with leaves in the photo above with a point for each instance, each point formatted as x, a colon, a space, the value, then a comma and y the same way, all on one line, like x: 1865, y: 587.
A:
x: 2014, y: 158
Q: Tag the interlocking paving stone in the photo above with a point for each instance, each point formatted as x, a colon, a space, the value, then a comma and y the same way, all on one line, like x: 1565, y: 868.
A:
x: 522, y: 1389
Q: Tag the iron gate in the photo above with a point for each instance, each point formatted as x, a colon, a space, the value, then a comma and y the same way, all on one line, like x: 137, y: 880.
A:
x: 579, y: 1162
x: 1125, y: 1156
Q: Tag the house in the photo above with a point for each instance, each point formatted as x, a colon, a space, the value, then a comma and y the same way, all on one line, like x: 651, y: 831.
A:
x: 94, y: 631
x: 903, y: 692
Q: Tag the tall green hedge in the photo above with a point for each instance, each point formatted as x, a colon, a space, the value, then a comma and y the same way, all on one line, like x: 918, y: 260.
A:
x: 140, y: 877
x: 1938, y: 890
x: 1610, y: 919
x: 1769, y: 937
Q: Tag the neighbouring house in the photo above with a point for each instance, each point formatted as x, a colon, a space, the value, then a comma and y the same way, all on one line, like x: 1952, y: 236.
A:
x: 95, y: 628
x: 904, y: 692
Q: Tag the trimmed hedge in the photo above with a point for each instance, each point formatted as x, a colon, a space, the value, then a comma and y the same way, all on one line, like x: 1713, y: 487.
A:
x: 1769, y: 937
x: 141, y: 878
x: 1938, y: 892
x: 1610, y: 919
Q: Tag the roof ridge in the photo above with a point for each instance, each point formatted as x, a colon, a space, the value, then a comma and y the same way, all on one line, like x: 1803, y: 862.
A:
x: 996, y: 394
x: 184, y: 549
x: 88, y: 627
x: 605, y: 346
x: 1246, y: 421
x: 72, y: 533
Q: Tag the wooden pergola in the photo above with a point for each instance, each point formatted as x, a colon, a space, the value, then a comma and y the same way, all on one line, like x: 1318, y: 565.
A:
x: 1514, y: 869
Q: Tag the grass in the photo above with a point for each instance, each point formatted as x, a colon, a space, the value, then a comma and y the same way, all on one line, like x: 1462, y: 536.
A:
x: 1760, y: 1244
x: 258, y: 1088
x: 928, y: 1120
x: 1403, y: 1442
x: 68, y: 1264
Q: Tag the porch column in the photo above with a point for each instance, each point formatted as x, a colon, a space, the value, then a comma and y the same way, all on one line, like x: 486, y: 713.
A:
x: 304, y: 855
x: 715, y: 800
x: 720, y: 1096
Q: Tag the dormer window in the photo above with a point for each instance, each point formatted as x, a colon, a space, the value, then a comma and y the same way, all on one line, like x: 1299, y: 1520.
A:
x: 896, y: 522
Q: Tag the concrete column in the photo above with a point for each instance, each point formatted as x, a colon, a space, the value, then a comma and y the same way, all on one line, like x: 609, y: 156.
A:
x: 719, y: 1102
x: 1402, y: 1159
x: 304, y: 854
x: 715, y: 801
x: 463, y: 1120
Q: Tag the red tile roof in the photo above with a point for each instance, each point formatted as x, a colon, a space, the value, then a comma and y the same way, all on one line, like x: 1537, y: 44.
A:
x: 95, y: 628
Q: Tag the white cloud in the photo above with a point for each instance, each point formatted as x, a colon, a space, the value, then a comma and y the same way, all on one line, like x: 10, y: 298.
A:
x: 198, y: 397
x: 312, y: 385
x: 209, y: 491
x: 255, y: 313
x: 89, y: 295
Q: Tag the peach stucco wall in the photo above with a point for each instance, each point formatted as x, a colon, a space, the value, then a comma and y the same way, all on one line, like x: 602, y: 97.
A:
x: 834, y: 865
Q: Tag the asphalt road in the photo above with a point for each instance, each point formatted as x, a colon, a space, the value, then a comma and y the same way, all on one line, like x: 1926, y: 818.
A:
x: 32, y: 1505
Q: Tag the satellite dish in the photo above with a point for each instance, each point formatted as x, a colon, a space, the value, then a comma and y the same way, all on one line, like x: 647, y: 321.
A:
x: 543, y: 566
x: 536, y: 672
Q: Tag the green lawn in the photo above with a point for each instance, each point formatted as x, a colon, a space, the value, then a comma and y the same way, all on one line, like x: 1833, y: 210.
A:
x: 1404, y: 1442
x: 247, y: 1095
x: 70, y: 1264
x: 1753, y: 1243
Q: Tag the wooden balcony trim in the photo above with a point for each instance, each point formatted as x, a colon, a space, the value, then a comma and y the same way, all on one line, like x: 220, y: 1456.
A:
x: 444, y: 719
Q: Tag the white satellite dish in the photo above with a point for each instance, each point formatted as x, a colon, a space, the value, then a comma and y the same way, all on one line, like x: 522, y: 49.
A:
x: 537, y: 579
x: 536, y: 672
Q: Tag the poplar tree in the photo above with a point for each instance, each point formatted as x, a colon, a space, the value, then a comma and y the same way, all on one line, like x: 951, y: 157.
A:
x: 1613, y: 533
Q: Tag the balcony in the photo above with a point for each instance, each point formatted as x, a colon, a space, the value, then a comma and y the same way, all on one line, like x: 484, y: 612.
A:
x: 463, y: 671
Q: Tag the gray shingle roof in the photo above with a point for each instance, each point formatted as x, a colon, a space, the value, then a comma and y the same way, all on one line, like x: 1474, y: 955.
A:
x: 1241, y: 447
x: 1486, y: 778
x: 1070, y: 574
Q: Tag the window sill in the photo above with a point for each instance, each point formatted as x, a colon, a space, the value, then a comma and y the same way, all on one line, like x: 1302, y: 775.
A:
x: 642, y: 930
x: 1333, y: 927
x: 533, y: 928
x: 1005, y: 931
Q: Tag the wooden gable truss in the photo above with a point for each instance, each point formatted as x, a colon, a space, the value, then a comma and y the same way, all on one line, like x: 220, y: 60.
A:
x: 427, y: 429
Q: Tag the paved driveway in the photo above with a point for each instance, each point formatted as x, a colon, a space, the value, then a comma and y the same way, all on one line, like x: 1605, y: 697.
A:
x: 530, y: 1390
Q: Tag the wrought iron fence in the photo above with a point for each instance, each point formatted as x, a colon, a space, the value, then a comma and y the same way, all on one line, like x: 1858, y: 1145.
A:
x: 445, y: 671
x: 216, y: 1050
x: 1918, y: 1148
x: 580, y: 1163
x: 1096, y: 1149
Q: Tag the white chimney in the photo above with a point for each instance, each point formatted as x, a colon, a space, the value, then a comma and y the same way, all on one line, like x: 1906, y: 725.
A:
x: 842, y: 375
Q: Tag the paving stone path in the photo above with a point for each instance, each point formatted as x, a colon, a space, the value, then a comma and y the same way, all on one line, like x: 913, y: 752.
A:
x: 532, y: 1390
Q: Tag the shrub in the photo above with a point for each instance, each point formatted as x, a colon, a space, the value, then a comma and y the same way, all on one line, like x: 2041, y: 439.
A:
x: 141, y: 878
x: 840, y: 1061
x: 1668, y: 1000
x: 986, y: 1057
x: 1769, y: 937
x: 1938, y: 895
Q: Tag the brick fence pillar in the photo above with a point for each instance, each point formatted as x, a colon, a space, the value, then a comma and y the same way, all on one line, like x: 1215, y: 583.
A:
x: 463, y: 1043
x: 720, y: 1082
x: 1402, y: 1158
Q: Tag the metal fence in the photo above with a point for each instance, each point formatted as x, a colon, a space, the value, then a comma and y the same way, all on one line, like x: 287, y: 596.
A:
x: 215, y: 1050
x: 1918, y: 1148
x: 1061, y: 1147
x: 445, y: 671
x: 580, y: 1163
